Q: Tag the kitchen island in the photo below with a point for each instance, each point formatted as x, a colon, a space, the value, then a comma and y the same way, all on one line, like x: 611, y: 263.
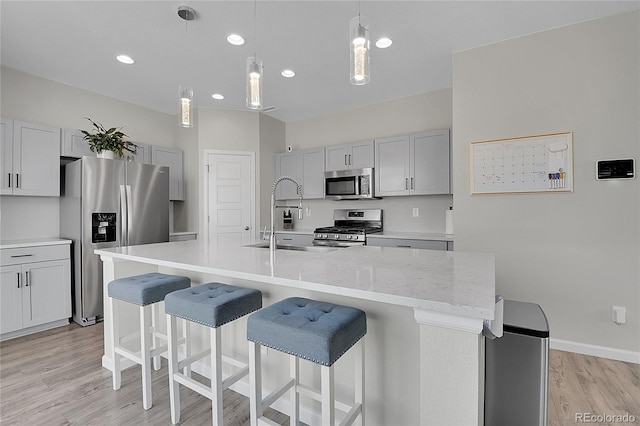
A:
x: 425, y: 311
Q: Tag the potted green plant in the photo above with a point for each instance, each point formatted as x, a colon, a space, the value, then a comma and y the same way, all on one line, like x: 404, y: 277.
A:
x: 108, y: 143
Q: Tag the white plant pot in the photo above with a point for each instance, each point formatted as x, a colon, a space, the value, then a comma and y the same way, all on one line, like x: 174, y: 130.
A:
x: 106, y: 154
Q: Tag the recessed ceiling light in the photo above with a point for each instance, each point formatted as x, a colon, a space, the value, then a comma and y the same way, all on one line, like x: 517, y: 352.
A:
x: 128, y: 60
x: 235, y: 39
x: 217, y: 96
x: 288, y: 73
x: 384, y: 42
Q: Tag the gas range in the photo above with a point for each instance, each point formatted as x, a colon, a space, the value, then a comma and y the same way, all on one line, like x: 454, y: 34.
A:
x: 350, y: 228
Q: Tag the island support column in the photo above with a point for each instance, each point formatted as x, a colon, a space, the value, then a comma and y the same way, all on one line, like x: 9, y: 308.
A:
x: 451, y: 369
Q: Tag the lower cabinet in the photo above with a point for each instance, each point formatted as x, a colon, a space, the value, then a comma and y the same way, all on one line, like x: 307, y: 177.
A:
x: 34, y: 295
x: 407, y: 243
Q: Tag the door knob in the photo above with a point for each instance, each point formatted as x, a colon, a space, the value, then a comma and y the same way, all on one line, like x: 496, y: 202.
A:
x: 246, y: 228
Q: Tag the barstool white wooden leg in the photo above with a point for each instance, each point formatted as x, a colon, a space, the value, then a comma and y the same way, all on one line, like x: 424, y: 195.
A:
x: 186, y: 329
x: 155, y: 315
x: 115, y: 358
x: 359, y: 381
x: 145, y: 351
x: 216, y: 376
x: 328, y: 396
x: 293, y: 393
x: 255, y: 383
x: 174, y: 387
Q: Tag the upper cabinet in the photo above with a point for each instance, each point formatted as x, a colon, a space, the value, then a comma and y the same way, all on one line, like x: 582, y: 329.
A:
x: 30, y: 163
x: 305, y: 167
x: 171, y: 157
x: 73, y: 144
x: 416, y: 164
x: 357, y: 155
x: 144, y: 154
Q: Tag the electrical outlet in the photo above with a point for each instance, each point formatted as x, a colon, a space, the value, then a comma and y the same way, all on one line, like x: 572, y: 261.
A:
x: 619, y: 314
x: 416, y: 212
x: 307, y: 211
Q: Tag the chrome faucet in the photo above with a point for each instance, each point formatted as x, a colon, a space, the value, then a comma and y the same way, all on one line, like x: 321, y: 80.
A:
x: 272, y: 235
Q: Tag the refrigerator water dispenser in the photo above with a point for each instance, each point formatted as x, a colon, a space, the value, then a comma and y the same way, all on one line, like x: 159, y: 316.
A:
x: 103, y: 227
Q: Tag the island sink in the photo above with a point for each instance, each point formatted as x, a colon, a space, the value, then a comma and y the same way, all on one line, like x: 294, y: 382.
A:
x: 316, y: 249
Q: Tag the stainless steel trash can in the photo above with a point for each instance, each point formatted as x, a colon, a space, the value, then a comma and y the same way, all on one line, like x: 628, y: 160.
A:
x: 517, y: 368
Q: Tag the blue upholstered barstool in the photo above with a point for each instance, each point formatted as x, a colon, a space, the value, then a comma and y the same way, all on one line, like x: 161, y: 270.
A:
x: 146, y: 291
x: 316, y: 331
x: 212, y: 305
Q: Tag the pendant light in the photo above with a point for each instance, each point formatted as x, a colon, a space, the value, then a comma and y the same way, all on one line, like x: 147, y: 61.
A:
x: 185, y: 92
x: 255, y: 72
x: 359, y: 49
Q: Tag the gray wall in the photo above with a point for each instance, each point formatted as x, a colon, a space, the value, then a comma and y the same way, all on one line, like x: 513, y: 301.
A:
x: 575, y: 254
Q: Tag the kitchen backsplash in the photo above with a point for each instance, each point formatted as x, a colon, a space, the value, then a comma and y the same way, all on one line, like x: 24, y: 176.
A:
x: 29, y: 217
x: 398, y: 212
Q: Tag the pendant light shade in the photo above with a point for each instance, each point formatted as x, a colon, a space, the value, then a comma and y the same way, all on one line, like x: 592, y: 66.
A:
x: 359, y: 50
x: 185, y: 93
x: 255, y: 73
x: 186, y: 106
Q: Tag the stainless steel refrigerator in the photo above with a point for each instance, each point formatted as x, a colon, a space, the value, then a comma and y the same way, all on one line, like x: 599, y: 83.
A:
x: 109, y: 203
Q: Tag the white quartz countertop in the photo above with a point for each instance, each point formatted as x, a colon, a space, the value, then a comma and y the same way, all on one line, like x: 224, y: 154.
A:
x: 457, y: 283
x: 32, y: 242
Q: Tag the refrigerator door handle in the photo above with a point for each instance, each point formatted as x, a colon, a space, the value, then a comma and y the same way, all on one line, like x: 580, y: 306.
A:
x: 129, y: 213
x: 123, y: 216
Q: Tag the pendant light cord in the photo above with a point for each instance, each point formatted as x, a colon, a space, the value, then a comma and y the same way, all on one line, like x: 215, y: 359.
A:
x: 255, y: 31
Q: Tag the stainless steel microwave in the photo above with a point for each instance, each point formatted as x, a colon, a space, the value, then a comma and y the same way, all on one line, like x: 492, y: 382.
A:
x: 349, y: 184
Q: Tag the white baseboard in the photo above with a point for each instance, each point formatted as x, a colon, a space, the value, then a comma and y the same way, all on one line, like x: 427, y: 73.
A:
x: 594, y: 350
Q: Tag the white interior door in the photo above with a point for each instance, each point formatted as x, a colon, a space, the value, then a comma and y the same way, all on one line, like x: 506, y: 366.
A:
x: 231, y: 194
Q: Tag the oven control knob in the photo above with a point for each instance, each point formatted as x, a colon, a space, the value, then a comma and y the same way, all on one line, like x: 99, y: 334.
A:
x: 336, y: 237
x: 349, y: 236
x: 325, y: 236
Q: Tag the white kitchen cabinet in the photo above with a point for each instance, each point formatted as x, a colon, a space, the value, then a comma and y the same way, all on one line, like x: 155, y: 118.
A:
x: 6, y: 150
x: 30, y: 159
x: 358, y: 155
x: 73, y: 144
x: 288, y: 164
x: 172, y: 158
x: 416, y: 164
x: 35, y: 291
x: 407, y: 243
x: 143, y: 154
x: 431, y: 163
x: 307, y: 168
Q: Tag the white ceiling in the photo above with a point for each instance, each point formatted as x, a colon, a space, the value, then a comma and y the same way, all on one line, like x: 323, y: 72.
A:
x: 75, y: 42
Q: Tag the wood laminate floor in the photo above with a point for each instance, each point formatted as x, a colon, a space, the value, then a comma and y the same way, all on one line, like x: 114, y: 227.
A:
x: 56, y: 378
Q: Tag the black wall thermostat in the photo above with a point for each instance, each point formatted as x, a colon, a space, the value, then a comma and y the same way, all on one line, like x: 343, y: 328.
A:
x: 615, y: 169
